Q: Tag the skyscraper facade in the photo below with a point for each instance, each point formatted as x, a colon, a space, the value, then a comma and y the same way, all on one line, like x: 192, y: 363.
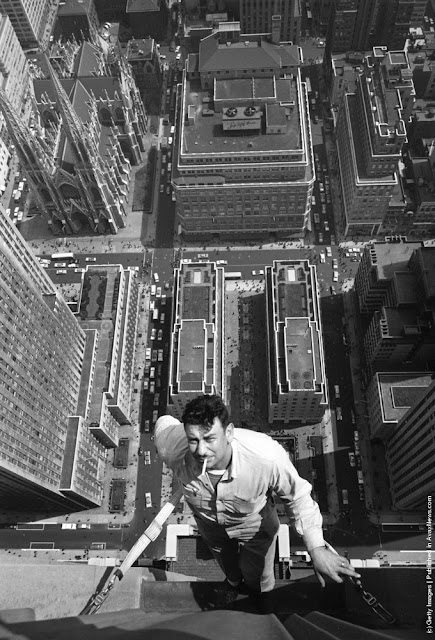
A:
x: 411, y: 455
x: 32, y: 20
x: 270, y: 16
x: 42, y: 447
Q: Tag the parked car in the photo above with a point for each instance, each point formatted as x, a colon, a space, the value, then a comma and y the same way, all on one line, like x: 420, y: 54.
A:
x: 345, y: 496
x: 160, y: 335
x: 153, y: 334
x: 148, y: 501
x: 351, y: 459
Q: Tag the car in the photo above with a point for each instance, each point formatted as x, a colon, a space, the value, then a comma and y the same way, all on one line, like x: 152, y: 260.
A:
x: 163, y: 300
x: 178, y: 56
x: 152, y: 305
x: 313, y: 201
x: 345, y: 496
x: 168, y: 190
x: 156, y: 277
x: 161, y: 188
x: 83, y: 525
x: 356, y: 435
x: 332, y: 238
x: 153, y: 290
x: 326, y: 225
x: 152, y: 372
x: 154, y: 356
x: 355, y: 259
x: 316, y: 118
x: 172, y: 129
x: 155, y: 415
x: 73, y: 265
x: 61, y: 272
x: 322, y: 257
x: 221, y: 261
x: 162, y: 318
x: 170, y: 140
x: 160, y: 355
x: 316, y: 218
x: 329, y: 252
x: 159, y: 369
x: 323, y: 208
x: 148, y: 353
x: 202, y: 255
x: 357, y: 448
x: 360, y: 476
x: 79, y: 270
x: 351, y: 459
x: 337, y: 390
x: 335, y: 263
x: 159, y: 292
x: 169, y: 165
x: 320, y: 44
x: 335, y: 276
x: 321, y: 187
x: 146, y: 384
x: 255, y: 273
x: 90, y: 259
x: 160, y: 335
x: 147, y: 425
x: 156, y: 399
x: 321, y: 237
x: 361, y: 492
x: 69, y: 525
x: 61, y: 265
x: 332, y: 290
x: 152, y: 387
x: 153, y: 334
x: 322, y: 197
x: 147, y: 457
x: 177, y: 49
x: 148, y: 501
x: 261, y: 272
x: 162, y: 173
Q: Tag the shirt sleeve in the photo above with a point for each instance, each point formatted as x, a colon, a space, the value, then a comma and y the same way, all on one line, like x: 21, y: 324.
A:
x: 295, y: 492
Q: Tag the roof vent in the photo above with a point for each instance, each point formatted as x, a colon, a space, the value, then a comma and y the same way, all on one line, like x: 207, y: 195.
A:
x: 231, y: 112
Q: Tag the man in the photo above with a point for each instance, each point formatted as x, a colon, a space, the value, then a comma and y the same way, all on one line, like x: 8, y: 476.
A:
x: 228, y: 477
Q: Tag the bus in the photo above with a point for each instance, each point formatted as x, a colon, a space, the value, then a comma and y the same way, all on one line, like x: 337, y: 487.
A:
x: 233, y: 275
x: 63, y: 256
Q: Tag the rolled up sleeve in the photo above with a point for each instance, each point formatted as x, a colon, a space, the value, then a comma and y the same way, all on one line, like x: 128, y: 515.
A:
x: 295, y: 492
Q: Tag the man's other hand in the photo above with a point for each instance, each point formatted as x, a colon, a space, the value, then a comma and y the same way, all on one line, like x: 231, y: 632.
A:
x: 331, y: 565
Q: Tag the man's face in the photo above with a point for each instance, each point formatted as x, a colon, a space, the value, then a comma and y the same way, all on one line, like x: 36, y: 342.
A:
x: 213, y: 445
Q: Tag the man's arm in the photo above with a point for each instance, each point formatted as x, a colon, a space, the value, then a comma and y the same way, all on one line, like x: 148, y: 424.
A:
x: 304, y: 515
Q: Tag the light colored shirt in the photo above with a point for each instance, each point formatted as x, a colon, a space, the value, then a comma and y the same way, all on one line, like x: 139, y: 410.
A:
x: 258, y: 466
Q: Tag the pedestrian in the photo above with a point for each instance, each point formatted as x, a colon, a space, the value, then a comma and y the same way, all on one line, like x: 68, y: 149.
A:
x: 228, y: 476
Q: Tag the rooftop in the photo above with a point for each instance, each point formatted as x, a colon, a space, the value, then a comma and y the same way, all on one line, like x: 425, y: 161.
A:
x: 400, y: 391
x: 248, y: 54
x: 392, y: 257
x: 207, y: 134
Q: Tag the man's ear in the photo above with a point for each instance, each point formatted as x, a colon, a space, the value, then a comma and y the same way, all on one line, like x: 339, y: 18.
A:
x: 229, y: 431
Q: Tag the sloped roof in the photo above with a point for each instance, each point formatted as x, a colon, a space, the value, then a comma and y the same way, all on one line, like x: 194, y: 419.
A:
x: 87, y: 60
x: 250, y: 55
x: 142, y: 6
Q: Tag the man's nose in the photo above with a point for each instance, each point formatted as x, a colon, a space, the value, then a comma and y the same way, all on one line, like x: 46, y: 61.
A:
x: 202, y: 448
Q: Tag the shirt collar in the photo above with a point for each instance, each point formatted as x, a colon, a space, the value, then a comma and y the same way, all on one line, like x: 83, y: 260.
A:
x: 233, y: 468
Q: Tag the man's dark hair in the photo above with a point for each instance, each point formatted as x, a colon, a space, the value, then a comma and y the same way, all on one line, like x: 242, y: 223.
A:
x: 203, y: 410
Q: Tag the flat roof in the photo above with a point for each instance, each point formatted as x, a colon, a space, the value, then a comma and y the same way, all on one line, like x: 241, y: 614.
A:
x: 207, y: 135
x: 392, y: 257
x: 400, y: 391
x: 192, y: 343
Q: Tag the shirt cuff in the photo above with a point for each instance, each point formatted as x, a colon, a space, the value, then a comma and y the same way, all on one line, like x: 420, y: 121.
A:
x: 313, y: 538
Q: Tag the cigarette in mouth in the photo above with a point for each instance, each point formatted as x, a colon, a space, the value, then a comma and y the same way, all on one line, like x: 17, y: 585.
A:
x: 204, y: 466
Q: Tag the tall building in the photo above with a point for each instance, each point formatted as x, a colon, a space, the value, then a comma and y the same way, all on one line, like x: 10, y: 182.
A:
x: 243, y: 165
x: 411, y: 455
x: 389, y: 396
x: 197, y: 363
x: 14, y: 78
x: 282, y: 18
x: 370, y: 135
x: 32, y: 20
x: 47, y: 454
x: 296, y: 362
x: 359, y: 25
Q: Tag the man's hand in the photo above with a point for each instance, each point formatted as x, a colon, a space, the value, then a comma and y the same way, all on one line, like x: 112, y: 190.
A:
x: 331, y: 565
x: 247, y: 530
